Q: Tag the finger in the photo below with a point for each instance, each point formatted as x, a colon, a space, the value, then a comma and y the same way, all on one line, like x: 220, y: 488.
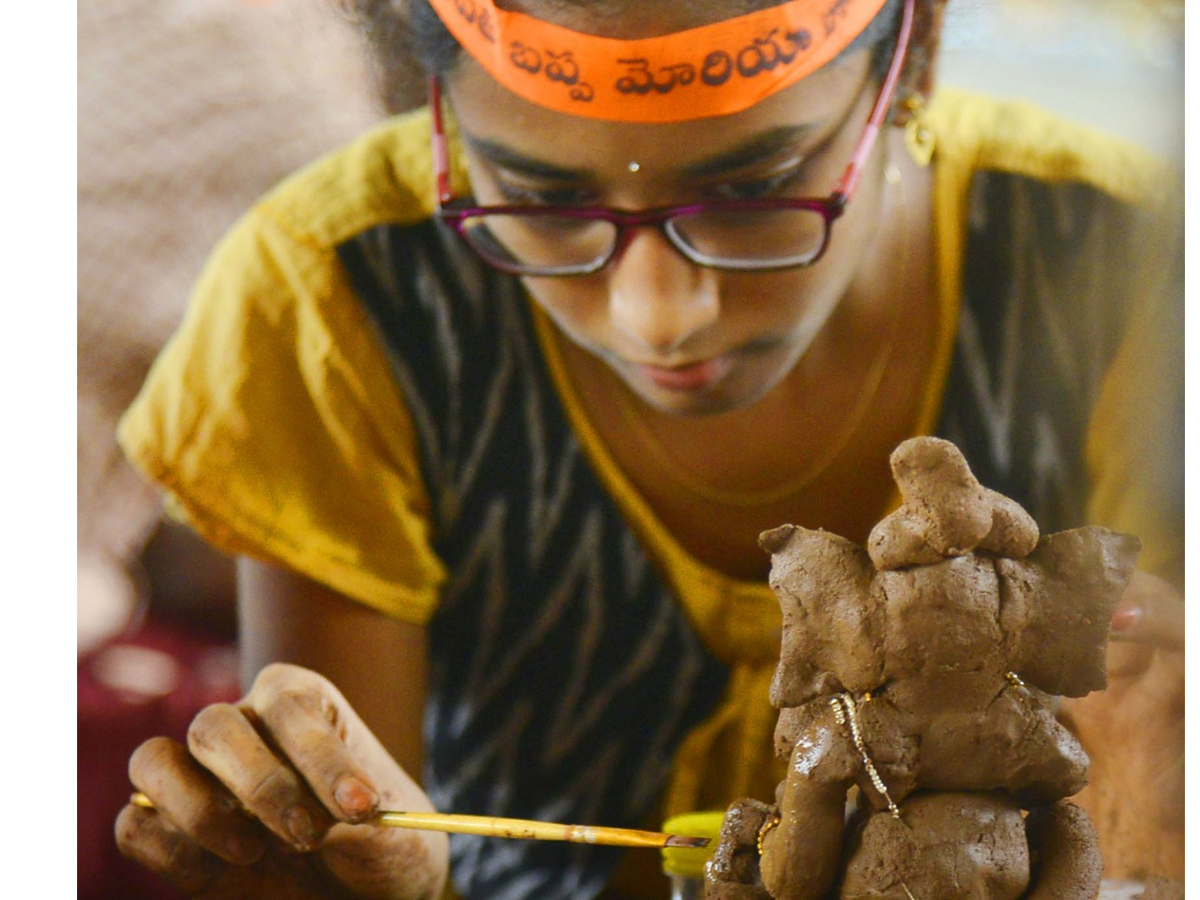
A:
x: 308, y: 728
x: 147, y: 836
x: 225, y: 742
x: 194, y: 802
x: 1151, y: 612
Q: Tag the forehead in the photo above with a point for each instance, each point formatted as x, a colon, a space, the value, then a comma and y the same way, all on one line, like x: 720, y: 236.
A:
x: 632, y: 19
x: 488, y: 111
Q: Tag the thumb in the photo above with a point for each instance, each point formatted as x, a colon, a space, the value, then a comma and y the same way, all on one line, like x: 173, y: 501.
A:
x: 1150, y: 612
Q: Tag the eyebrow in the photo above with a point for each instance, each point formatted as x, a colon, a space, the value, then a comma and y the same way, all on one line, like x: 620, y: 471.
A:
x: 502, y: 155
x: 761, y: 147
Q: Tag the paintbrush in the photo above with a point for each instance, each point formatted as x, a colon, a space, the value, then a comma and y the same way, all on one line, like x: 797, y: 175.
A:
x: 524, y: 829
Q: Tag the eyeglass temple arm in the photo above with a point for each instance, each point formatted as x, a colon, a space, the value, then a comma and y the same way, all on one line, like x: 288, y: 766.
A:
x: 441, y: 150
x: 845, y: 188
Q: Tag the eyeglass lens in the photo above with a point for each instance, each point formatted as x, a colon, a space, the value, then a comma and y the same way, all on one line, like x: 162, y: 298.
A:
x: 739, y: 239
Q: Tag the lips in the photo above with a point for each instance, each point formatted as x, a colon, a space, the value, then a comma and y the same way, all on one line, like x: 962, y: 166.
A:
x: 689, y: 378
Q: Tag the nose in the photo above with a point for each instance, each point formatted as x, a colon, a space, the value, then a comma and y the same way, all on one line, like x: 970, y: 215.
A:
x: 659, y: 298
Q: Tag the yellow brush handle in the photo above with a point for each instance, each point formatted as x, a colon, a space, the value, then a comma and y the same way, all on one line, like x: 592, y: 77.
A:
x: 523, y: 829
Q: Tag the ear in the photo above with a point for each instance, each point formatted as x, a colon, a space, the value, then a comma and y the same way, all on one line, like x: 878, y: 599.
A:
x: 917, y: 79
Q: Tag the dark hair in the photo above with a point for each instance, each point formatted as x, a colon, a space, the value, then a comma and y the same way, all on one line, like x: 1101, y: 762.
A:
x: 406, y: 36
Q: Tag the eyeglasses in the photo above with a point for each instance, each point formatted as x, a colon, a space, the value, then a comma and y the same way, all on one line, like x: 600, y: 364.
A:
x: 756, y: 235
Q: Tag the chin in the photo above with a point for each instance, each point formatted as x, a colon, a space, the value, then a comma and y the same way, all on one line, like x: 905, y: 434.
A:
x: 730, y: 396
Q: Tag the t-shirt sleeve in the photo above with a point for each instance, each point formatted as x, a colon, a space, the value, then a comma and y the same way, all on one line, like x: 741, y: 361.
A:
x: 1135, y: 448
x: 273, y: 422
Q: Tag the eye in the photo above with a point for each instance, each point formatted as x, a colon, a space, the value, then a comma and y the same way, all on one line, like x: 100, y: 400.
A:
x: 780, y: 184
x: 525, y: 195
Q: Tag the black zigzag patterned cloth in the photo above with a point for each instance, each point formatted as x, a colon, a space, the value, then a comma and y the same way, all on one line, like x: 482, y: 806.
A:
x: 1045, y: 304
x: 564, y: 674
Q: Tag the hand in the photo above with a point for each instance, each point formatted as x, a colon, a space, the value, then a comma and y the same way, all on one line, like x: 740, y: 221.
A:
x: 261, y: 802
x: 1133, y: 732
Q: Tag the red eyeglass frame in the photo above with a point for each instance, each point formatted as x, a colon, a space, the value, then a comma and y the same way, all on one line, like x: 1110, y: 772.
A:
x: 831, y: 208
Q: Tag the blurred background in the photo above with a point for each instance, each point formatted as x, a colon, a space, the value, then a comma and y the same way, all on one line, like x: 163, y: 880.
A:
x: 187, y: 111
x: 1117, y: 64
x: 190, y: 109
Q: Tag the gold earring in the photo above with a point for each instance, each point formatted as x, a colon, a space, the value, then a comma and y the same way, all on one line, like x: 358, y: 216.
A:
x: 918, y: 137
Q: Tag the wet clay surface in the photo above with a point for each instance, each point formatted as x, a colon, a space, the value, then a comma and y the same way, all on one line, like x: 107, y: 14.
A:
x: 921, y: 670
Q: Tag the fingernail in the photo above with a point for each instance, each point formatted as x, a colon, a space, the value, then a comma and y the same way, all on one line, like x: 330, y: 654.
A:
x: 244, y: 850
x: 301, y: 827
x: 355, y: 798
x: 1126, y: 617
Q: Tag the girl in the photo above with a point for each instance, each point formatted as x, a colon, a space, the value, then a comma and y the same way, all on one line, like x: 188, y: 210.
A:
x: 494, y: 404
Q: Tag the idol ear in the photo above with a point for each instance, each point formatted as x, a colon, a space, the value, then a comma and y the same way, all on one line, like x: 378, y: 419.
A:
x: 917, y: 78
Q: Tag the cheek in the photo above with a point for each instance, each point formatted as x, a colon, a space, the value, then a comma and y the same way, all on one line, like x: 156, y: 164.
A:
x: 785, y: 301
x: 857, y: 233
x: 808, y: 296
x: 577, y: 305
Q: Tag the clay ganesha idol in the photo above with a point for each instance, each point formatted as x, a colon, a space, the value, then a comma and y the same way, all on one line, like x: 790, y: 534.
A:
x: 921, y: 669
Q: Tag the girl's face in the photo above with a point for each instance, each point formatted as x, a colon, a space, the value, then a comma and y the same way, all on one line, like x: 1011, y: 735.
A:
x: 686, y: 339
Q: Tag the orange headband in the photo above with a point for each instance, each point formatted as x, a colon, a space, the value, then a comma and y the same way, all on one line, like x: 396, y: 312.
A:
x: 712, y: 70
